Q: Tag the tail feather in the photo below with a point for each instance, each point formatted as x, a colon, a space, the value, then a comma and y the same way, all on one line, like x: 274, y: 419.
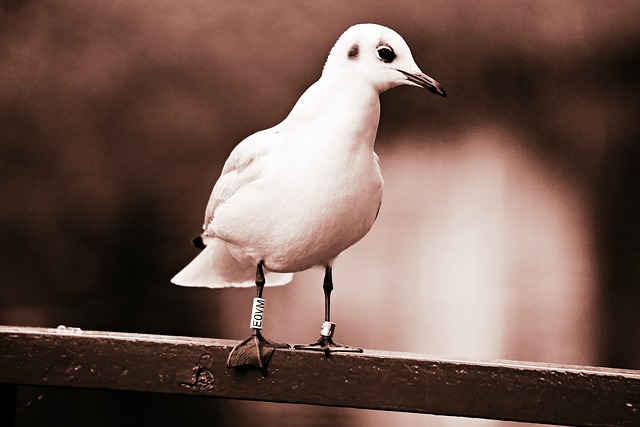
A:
x: 215, y: 267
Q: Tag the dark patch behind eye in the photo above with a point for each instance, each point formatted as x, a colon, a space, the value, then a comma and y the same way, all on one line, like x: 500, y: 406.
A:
x: 353, y: 52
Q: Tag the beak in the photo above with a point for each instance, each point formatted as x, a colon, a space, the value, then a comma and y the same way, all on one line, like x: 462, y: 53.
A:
x: 422, y: 80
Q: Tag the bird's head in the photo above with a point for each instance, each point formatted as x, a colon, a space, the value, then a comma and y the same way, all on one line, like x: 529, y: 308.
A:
x: 380, y: 56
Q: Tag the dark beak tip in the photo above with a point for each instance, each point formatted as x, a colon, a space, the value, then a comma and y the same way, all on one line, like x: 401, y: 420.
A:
x: 439, y: 91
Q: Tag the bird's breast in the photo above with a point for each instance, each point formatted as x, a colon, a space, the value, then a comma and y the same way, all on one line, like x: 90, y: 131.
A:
x: 310, y: 207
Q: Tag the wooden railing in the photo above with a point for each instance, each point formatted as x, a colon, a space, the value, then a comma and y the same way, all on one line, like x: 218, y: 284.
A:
x: 502, y: 390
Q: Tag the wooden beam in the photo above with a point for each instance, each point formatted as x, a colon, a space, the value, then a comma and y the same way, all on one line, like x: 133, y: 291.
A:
x: 503, y: 390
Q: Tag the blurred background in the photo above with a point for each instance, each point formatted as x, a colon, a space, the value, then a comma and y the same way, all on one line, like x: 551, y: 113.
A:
x: 508, y: 228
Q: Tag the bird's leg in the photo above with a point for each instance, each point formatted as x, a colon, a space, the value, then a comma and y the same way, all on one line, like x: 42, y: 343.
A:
x: 326, y: 343
x: 256, y: 350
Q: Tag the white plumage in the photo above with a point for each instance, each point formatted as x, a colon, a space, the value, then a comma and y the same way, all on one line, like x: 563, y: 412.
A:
x: 296, y: 195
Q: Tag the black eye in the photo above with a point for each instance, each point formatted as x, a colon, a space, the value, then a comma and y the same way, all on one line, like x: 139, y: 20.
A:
x: 386, y: 54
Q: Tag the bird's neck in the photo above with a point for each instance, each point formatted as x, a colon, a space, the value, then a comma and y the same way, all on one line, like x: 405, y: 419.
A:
x: 344, y: 110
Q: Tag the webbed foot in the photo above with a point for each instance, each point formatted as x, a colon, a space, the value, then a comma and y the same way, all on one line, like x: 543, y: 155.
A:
x: 254, y: 351
x: 326, y: 343
x: 328, y: 346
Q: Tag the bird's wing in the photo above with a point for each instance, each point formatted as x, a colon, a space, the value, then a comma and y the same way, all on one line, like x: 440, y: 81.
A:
x: 243, y: 166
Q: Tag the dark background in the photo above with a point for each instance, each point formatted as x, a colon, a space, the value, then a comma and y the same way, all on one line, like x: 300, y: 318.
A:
x: 116, y: 117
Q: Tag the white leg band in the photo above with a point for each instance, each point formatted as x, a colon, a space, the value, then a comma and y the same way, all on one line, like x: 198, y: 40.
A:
x: 328, y: 328
x: 257, y: 313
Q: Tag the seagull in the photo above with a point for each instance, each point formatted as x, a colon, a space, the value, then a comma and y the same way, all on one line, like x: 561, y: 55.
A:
x: 296, y: 195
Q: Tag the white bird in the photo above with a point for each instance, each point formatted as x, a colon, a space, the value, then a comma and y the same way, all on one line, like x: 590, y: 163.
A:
x: 298, y: 194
